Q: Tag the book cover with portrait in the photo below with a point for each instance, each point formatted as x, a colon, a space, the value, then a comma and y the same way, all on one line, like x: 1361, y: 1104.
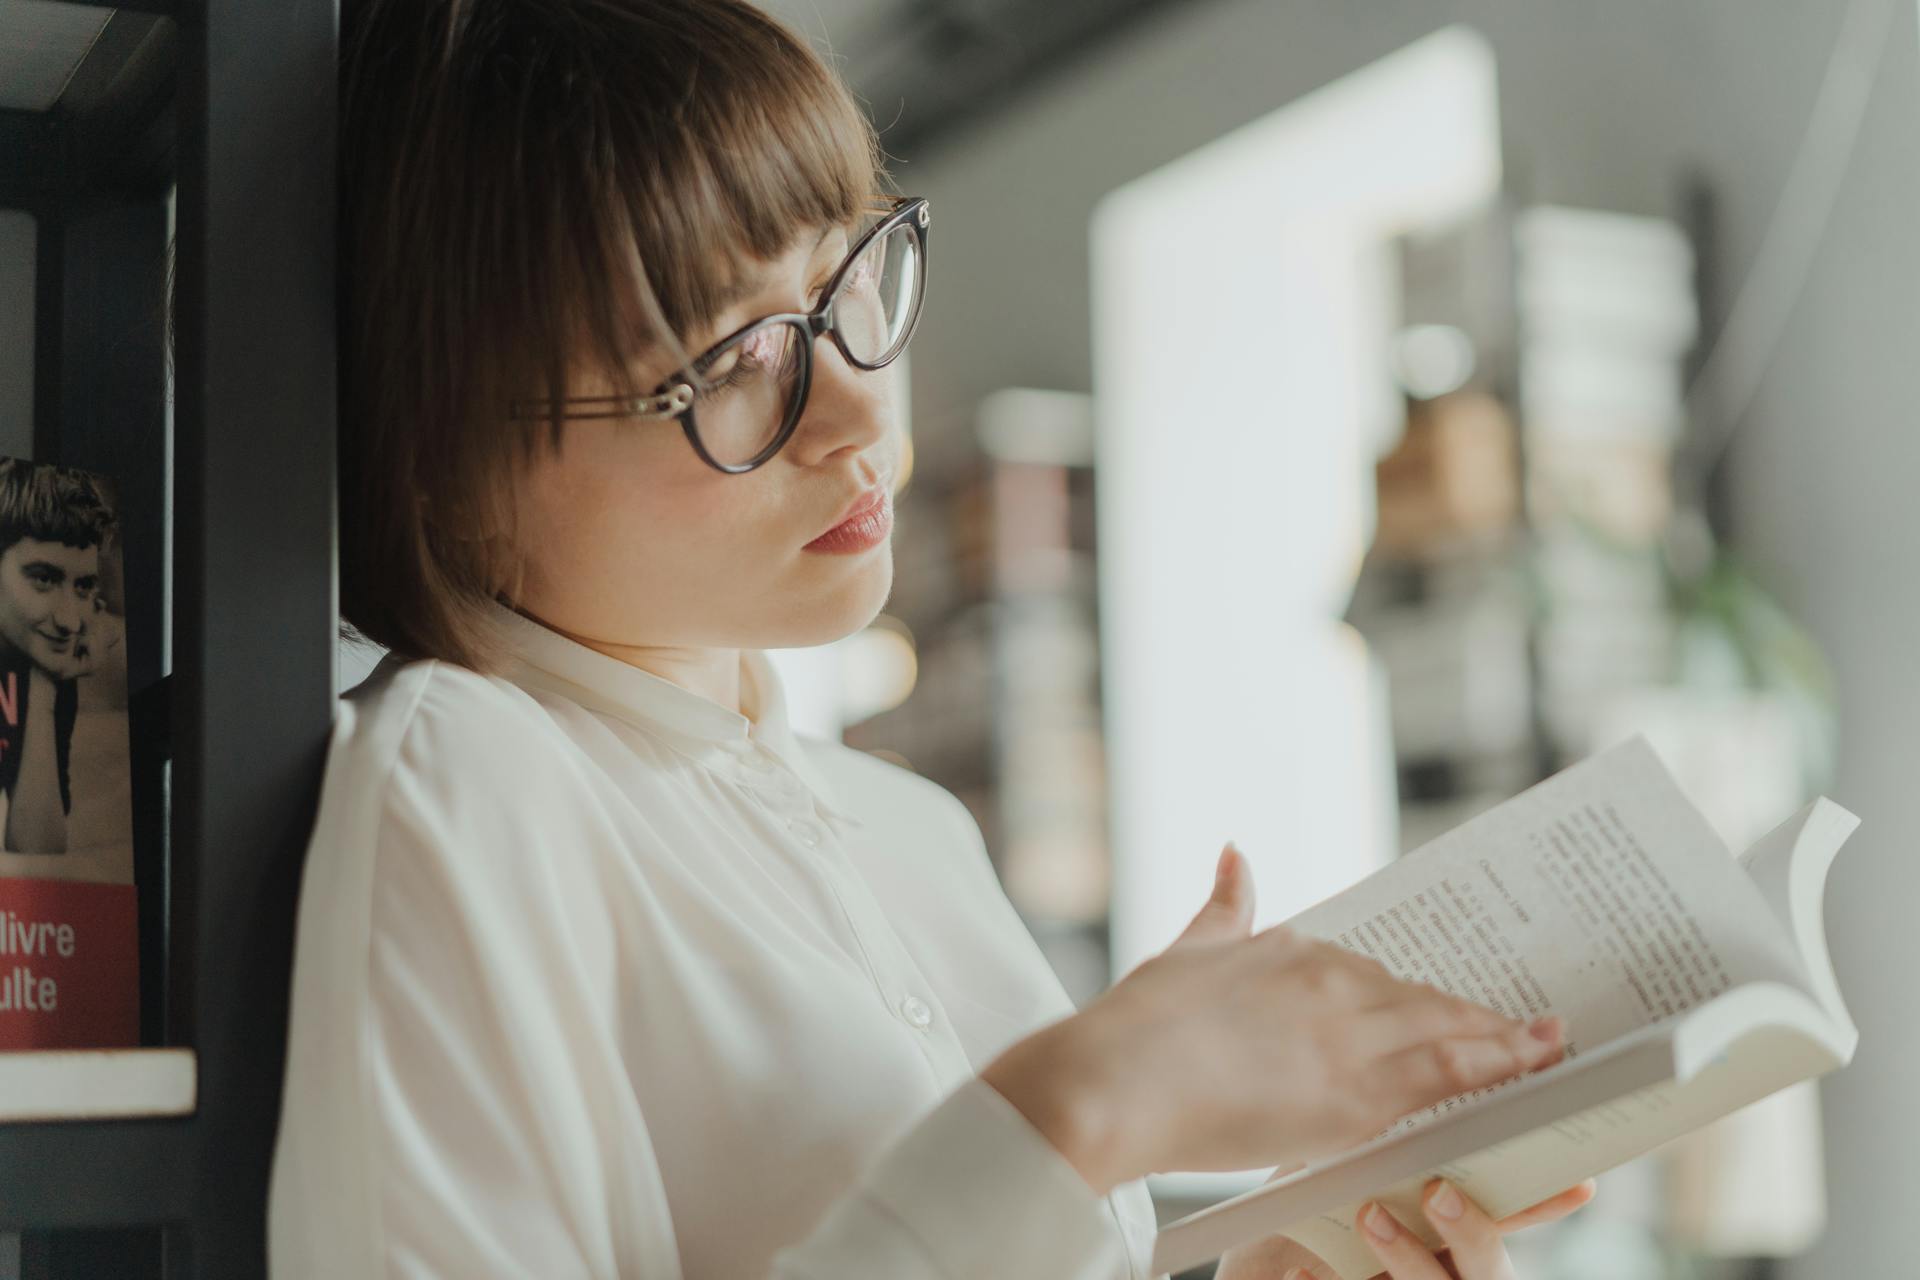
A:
x: 69, y: 967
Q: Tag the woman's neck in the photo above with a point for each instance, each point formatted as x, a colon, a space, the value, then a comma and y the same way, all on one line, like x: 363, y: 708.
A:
x: 714, y: 674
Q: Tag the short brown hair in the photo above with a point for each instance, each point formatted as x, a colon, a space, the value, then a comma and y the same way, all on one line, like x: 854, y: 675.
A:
x: 53, y: 504
x: 529, y: 187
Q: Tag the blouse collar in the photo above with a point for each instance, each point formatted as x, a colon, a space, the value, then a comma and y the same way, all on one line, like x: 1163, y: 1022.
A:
x: 694, y: 724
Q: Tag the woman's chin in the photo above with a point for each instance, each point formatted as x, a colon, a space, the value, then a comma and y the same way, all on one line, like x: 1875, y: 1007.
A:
x: 835, y: 616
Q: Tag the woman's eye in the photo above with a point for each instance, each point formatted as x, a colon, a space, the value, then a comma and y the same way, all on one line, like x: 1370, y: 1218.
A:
x: 762, y: 347
x: 742, y: 363
x: 720, y: 382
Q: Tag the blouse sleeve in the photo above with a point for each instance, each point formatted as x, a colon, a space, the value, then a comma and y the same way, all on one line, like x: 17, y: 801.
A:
x: 499, y: 1135
x: 972, y: 1190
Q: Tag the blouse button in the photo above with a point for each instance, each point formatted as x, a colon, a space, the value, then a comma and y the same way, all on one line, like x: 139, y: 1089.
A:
x: 805, y: 832
x: 916, y: 1011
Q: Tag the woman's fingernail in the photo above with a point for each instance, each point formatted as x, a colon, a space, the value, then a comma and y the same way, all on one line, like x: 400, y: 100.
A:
x: 1447, y: 1202
x: 1544, y: 1029
x: 1380, y: 1223
x: 1295, y: 1273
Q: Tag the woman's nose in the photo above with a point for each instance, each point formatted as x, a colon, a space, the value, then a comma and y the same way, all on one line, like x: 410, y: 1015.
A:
x: 846, y: 407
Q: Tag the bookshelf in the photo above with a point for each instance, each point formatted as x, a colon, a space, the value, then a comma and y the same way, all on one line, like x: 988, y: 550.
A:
x: 118, y: 125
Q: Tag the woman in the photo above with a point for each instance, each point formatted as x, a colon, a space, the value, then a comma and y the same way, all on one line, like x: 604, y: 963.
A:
x: 601, y: 970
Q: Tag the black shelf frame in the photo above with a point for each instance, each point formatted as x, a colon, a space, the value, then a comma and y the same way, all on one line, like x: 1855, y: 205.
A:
x: 231, y: 665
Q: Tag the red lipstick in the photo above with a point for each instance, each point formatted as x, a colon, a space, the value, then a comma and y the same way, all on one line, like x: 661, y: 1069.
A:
x: 867, y: 525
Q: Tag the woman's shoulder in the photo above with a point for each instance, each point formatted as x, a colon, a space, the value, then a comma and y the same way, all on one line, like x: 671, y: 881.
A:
x: 438, y: 713
x: 402, y: 690
x: 432, y: 741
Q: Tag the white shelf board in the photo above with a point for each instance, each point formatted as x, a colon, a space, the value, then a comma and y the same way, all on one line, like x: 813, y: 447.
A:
x: 96, y: 1084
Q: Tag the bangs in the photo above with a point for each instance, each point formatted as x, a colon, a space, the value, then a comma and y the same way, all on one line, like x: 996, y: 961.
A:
x: 671, y: 209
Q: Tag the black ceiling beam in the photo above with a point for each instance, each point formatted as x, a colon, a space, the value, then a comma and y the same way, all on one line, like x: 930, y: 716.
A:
x: 162, y: 7
x: 959, y: 61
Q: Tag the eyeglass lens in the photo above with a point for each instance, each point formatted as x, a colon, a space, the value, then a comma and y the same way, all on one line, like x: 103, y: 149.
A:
x: 754, y: 382
x: 876, y: 298
x: 752, y: 386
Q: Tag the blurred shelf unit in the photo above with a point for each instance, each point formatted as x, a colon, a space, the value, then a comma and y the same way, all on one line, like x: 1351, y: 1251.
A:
x: 1516, y: 590
x: 1540, y: 587
x: 123, y: 127
x: 941, y: 599
x: 1514, y: 585
x: 995, y: 579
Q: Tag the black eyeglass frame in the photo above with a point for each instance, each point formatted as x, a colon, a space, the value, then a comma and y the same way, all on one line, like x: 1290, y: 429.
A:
x: 674, y: 398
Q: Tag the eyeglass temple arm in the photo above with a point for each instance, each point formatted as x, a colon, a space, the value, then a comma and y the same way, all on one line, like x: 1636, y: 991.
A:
x: 668, y: 404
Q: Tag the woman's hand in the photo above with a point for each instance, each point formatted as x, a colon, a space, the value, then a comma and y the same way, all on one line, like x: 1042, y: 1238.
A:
x: 1233, y: 1050
x: 1473, y: 1247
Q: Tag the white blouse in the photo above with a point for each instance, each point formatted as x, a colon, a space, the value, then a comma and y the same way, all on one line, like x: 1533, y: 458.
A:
x: 594, y: 977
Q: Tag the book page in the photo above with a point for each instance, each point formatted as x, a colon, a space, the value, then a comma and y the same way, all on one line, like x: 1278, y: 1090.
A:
x: 1789, y: 866
x: 1601, y: 895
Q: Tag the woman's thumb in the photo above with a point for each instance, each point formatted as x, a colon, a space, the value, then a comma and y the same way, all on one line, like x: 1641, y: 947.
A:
x: 1228, y: 913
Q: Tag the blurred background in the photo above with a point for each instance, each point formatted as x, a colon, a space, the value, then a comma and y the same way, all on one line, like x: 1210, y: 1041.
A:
x: 1328, y: 419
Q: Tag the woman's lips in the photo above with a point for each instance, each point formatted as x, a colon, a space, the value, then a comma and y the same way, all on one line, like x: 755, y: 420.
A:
x: 867, y: 526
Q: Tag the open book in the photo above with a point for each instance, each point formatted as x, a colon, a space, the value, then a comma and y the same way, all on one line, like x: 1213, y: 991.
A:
x: 1691, y: 983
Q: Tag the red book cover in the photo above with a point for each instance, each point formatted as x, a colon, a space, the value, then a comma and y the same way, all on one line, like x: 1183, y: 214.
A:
x: 69, y: 935
x: 69, y: 968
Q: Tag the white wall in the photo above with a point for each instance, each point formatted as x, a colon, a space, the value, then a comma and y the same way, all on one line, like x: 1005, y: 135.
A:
x: 1299, y: 756
x: 1603, y: 103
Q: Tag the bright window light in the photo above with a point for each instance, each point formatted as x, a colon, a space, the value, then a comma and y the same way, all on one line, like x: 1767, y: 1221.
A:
x: 1244, y: 318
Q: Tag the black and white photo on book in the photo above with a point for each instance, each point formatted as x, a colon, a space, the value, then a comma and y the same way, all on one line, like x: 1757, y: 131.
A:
x: 65, y: 777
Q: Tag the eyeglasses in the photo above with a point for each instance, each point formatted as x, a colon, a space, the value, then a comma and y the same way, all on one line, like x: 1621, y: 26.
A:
x: 741, y: 399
